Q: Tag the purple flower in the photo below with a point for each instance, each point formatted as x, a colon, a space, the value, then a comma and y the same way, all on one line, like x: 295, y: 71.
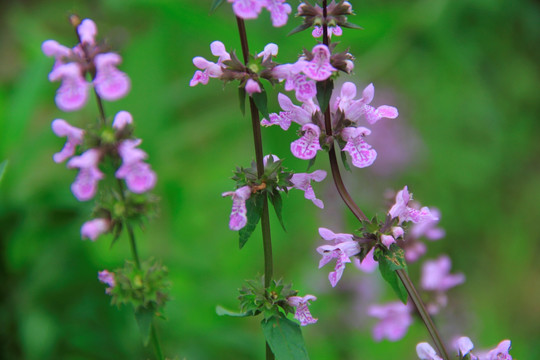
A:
x: 368, y: 264
x: 279, y: 11
x: 87, y: 31
x: 238, y: 218
x: 500, y: 352
x: 211, y: 70
x: 307, y: 146
x: 402, y: 211
x: 138, y: 175
x: 358, y: 108
x: 252, y: 87
x: 428, y: 228
x: 464, y: 346
x: 436, y: 275
x: 73, y: 92
x: 302, y: 313
x: 395, y: 319
x: 74, y: 137
x: 121, y: 119
x: 250, y: 9
x: 318, y: 31
x: 110, y: 83
x: 362, y: 154
x: 270, y: 50
x: 302, y: 181
x: 319, y: 67
x: 85, y: 185
x: 426, y: 352
x: 344, y: 248
x: 107, y: 278
x: 247, y: 9
x: 94, y: 228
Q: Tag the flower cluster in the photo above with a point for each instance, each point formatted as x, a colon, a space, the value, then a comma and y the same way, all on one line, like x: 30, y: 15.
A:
x: 275, y: 179
x: 336, y: 16
x: 464, y: 346
x: 250, y: 9
x: 87, y: 57
x: 108, y: 143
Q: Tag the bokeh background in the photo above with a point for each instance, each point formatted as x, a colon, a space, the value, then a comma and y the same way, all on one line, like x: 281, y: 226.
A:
x: 465, y: 76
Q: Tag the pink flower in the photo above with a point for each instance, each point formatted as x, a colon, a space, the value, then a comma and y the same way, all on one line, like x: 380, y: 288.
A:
x: 341, y: 251
x: 368, y: 265
x: 362, y: 155
x: 74, y: 137
x: 107, y: 278
x: 53, y: 48
x: 85, y: 185
x: 87, y: 31
x: 307, y: 146
x: 319, y: 67
x: 73, y: 92
x: 318, y: 31
x: 426, y: 352
x: 302, y: 181
x: 395, y: 319
x: 436, y: 275
x: 428, y: 228
x: 247, y: 9
x: 283, y: 119
x: 138, y: 175
x: 402, y: 211
x: 464, y: 346
x: 252, y: 87
x: 121, y: 119
x: 302, y: 313
x: 270, y: 50
x: 110, y: 83
x: 211, y: 70
x: 238, y: 218
x: 500, y: 352
x: 304, y: 89
x: 387, y: 240
x: 359, y: 108
x: 94, y: 228
x: 279, y: 11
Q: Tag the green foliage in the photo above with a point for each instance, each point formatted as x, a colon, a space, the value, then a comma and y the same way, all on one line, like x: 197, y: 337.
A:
x: 324, y: 93
x: 256, y: 299
x: 215, y: 5
x: 254, y: 206
x: 390, y: 261
x: 261, y: 101
x: 284, y: 338
x: 3, y: 166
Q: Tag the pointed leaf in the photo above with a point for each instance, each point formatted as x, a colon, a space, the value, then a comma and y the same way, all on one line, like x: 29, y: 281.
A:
x: 344, y: 161
x: 215, y: 5
x: 144, y: 318
x: 277, y: 202
x: 390, y: 261
x: 284, y: 338
x: 221, y: 311
x: 254, y: 207
x: 242, y: 99
x: 261, y: 102
x: 352, y: 26
x: 311, y: 163
x: 324, y: 93
x: 299, y: 28
x: 3, y: 166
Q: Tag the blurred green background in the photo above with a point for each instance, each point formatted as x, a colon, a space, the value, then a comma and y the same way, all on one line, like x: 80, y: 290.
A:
x: 465, y: 77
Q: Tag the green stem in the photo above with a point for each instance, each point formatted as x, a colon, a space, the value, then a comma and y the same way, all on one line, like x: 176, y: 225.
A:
x: 257, y: 138
x: 342, y: 190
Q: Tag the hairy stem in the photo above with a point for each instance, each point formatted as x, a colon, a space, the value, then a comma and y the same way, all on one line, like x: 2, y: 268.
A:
x: 265, y: 220
x: 342, y: 190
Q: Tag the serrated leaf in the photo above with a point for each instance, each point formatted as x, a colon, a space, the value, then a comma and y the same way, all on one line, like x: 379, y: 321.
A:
x: 277, y: 202
x: 215, y: 5
x: 242, y: 100
x: 344, y: 161
x: 261, y: 102
x: 284, y: 338
x: 254, y: 207
x: 3, y: 166
x: 352, y: 26
x: 144, y: 318
x: 324, y: 93
x: 299, y: 28
x: 221, y: 311
x: 390, y: 261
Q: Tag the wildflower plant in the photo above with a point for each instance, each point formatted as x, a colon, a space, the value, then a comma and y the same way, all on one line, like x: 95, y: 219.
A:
x: 328, y: 121
x: 112, y: 169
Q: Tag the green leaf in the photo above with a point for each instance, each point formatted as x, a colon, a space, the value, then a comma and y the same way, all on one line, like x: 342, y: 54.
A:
x: 221, y: 311
x: 3, y: 166
x: 324, y: 92
x: 299, y: 28
x: 144, y: 318
x: 261, y: 102
x: 215, y: 5
x: 254, y: 207
x: 344, y: 161
x: 352, y: 26
x: 311, y: 163
x: 284, y: 338
x: 390, y: 261
x: 242, y: 99
x: 277, y: 202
